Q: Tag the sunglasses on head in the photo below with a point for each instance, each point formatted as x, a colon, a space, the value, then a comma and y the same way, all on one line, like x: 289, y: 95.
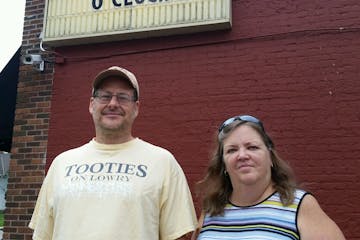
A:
x: 248, y: 118
x: 245, y: 118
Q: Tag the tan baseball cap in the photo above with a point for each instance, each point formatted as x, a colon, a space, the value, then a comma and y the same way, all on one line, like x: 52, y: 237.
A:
x: 116, y: 71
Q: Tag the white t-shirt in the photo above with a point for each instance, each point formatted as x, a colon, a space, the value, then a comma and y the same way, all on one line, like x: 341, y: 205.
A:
x: 128, y: 191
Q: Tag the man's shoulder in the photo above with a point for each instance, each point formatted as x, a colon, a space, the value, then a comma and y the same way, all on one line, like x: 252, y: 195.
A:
x: 155, y: 151
x: 73, y: 151
x: 152, y: 146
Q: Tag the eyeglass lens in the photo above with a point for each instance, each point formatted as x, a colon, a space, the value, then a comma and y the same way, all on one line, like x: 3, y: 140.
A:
x: 107, y: 97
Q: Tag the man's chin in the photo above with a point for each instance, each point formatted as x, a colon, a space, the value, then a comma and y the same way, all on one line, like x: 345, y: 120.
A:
x: 111, y: 126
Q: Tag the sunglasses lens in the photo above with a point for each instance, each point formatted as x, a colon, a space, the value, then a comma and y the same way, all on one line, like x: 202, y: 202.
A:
x: 248, y: 118
x: 227, y: 122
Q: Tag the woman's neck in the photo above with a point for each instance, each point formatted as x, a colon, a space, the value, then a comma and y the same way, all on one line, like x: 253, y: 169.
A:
x: 251, y: 195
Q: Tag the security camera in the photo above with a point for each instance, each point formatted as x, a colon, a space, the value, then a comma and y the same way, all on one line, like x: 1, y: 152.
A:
x: 33, y: 59
x: 30, y: 59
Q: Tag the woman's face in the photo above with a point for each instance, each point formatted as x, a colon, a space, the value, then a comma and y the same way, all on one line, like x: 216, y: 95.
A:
x: 246, y: 157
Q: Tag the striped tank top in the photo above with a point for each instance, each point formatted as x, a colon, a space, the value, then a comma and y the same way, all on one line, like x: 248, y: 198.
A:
x: 268, y: 220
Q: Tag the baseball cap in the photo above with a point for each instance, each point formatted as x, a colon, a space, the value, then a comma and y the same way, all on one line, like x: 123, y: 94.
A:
x: 116, y: 71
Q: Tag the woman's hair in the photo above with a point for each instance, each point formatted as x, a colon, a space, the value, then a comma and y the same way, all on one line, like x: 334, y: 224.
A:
x: 216, y: 186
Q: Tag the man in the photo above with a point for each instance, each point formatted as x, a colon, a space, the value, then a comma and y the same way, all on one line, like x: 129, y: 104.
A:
x: 116, y: 186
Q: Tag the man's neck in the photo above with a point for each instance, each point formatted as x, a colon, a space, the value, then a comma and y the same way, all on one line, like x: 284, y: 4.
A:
x: 113, y: 138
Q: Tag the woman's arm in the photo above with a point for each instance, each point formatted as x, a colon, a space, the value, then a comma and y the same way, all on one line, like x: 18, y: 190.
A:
x: 314, y: 224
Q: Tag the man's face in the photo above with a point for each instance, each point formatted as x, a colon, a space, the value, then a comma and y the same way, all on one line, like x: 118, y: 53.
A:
x: 114, y: 114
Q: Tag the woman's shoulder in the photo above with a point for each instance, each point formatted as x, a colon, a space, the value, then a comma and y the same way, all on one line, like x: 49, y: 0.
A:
x: 299, y: 195
x: 314, y: 223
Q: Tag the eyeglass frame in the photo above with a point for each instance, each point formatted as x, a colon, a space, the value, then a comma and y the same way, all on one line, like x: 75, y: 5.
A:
x: 247, y: 118
x: 120, y: 97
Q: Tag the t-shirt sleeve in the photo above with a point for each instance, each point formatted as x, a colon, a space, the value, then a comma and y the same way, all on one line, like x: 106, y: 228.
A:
x: 177, y: 214
x: 42, y: 220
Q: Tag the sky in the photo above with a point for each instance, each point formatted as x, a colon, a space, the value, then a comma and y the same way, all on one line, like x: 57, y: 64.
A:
x: 11, y: 28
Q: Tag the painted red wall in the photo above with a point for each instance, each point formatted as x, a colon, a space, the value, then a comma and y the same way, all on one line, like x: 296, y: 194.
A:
x: 292, y: 64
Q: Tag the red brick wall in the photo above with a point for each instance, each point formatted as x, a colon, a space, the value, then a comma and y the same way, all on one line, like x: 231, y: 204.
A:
x: 294, y: 65
x: 28, y: 153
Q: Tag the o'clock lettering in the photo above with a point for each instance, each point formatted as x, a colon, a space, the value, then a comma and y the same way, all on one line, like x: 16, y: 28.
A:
x: 97, y: 4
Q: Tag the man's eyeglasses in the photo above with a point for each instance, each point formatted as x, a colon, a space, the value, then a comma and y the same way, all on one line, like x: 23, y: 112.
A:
x: 248, y: 118
x: 106, y: 97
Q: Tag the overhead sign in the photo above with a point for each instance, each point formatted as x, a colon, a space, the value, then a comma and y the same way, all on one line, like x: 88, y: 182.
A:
x: 69, y: 22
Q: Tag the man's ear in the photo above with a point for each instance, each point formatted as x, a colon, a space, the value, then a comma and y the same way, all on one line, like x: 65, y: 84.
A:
x: 137, y: 103
x: 91, y: 105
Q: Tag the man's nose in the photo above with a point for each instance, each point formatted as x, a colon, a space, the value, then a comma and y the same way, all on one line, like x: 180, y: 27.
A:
x: 114, y: 100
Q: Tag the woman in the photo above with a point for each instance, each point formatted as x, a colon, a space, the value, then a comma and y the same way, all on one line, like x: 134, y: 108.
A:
x: 250, y: 193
